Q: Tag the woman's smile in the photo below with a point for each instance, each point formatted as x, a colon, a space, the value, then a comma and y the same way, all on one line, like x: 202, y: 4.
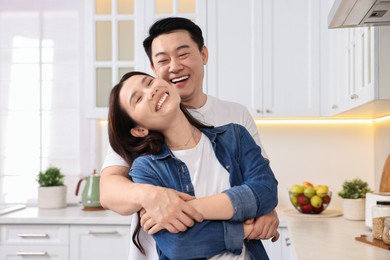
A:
x: 161, y: 101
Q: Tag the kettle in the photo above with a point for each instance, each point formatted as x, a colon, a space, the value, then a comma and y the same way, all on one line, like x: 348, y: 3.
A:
x: 91, y: 193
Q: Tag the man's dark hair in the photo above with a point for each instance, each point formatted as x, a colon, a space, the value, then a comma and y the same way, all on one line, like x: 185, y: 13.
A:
x: 168, y: 25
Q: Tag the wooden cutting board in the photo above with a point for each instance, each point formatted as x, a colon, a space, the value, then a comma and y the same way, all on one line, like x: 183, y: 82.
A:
x: 385, y: 181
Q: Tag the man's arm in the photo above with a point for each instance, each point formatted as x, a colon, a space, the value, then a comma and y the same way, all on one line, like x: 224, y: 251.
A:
x: 168, y: 207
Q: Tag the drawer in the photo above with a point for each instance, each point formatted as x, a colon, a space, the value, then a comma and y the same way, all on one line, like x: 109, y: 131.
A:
x: 34, y: 252
x: 34, y: 235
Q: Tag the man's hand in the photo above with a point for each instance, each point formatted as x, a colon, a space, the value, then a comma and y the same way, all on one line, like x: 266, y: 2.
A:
x: 266, y: 227
x: 166, y: 208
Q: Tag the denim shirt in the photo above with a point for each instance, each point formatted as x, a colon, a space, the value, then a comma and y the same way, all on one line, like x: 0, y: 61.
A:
x: 253, y: 193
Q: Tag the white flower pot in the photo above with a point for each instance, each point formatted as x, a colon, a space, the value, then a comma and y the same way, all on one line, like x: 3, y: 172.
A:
x: 354, y: 209
x: 52, y: 197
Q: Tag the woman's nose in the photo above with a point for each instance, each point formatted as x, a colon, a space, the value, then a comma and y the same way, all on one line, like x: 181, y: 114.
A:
x: 152, y: 93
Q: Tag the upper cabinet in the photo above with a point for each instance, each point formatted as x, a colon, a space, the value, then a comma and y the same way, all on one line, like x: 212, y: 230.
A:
x: 114, y: 32
x: 356, y: 62
x: 265, y: 55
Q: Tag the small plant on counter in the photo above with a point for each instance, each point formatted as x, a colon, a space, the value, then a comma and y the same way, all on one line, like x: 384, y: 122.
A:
x: 52, y: 176
x: 354, y: 189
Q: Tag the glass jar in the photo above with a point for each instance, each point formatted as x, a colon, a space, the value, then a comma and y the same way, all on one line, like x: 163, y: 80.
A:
x: 386, y: 231
x: 379, y: 213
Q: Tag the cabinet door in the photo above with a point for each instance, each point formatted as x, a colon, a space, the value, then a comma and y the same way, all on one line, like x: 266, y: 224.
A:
x: 234, y: 69
x: 291, y: 58
x: 265, y: 55
x: 99, y: 242
x: 281, y: 249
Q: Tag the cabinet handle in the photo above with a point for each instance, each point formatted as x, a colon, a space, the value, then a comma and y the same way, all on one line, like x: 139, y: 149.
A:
x: 268, y: 111
x: 335, y: 107
x: 32, y: 253
x: 259, y: 111
x: 33, y: 235
x: 288, y: 243
x: 354, y: 96
x: 91, y: 232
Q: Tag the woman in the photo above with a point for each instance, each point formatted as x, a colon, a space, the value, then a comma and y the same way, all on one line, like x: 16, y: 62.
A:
x: 221, y: 166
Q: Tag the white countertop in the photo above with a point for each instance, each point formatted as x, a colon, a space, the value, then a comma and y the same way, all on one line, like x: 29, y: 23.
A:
x: 68, y: 215
x: 331, y: 238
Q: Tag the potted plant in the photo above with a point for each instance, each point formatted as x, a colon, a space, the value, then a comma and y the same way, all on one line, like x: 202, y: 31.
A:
x: 354, y: 198
x: 51, y: 191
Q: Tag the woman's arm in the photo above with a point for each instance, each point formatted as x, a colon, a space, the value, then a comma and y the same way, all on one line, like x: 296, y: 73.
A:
x: 166, y: 206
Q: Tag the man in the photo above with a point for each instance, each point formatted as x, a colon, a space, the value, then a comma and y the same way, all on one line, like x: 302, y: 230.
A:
x: 177, y: 53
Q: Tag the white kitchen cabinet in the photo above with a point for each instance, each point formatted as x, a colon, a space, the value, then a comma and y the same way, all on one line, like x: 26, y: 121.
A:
x: 99, y: 242
x: 40, y: 242
x: 265, y: 55
x: 355, y: 74
x: 281, y: 249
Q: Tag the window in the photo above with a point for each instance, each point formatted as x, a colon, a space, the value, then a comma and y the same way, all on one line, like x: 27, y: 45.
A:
x: 41, y: 112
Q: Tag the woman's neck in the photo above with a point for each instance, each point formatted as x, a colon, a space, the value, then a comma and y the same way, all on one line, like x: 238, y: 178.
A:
x: 182, y: 135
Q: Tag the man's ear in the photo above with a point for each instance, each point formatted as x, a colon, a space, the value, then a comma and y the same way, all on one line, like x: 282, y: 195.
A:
x: 153, y: 68
x: 205, y: 54
x: 139, y: 131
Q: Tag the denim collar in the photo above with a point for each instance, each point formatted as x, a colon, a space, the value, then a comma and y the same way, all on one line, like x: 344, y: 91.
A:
x: 211, y: 133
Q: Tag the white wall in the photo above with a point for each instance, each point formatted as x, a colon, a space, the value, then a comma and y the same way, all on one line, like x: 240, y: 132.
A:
x: 319, y: 153
x: 382, y: 147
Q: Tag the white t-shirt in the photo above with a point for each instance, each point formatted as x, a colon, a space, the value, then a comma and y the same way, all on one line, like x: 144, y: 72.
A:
x: 215, y: 112
x: 208, y: 178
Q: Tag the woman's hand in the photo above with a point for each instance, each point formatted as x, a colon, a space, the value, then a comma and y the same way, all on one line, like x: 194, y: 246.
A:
x: 167, y: 209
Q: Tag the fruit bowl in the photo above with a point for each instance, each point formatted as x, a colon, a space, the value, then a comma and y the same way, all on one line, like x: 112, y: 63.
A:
x: 310, y: 202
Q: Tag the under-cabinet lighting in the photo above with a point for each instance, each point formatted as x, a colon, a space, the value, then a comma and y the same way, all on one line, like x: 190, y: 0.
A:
x: 312, y: 121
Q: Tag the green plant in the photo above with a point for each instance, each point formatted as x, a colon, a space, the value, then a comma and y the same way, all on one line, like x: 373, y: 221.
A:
x: 51, y: 177
x: 354, y: 189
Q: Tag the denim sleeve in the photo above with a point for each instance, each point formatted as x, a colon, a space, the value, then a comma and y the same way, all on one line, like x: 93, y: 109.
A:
x: 204, y: 239
x: 257, y: 195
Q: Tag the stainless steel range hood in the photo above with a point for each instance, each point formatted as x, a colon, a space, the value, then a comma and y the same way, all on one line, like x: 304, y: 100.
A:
x: 357, y: 13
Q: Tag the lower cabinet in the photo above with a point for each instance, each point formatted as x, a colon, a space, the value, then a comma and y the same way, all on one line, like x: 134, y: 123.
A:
x: 99, y: 242
x: 64, y: 242
x: 281, y: 249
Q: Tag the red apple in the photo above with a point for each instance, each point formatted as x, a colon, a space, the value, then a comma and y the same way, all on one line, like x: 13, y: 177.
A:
x: 318, y: 210
x: 326, y: 199
x: 307, y: 208
x: 302, y: 199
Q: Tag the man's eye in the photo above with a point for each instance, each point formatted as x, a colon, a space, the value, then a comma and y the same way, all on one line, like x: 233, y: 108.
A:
x: 184, y: 55
x: 138, y: 100
x: 162, y: 61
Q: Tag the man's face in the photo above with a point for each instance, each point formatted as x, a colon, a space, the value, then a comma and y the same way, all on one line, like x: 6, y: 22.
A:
x: 177, y: 59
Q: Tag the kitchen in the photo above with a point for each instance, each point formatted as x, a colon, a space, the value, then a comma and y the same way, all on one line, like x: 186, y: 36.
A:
x: 312, y: 147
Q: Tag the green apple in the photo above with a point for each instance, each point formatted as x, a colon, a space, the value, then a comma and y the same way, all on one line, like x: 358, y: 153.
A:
x: 322, y: 191
x: 316, y: 201
x: 296, y: 189
x: 309, y: 192
x: 294, y: 200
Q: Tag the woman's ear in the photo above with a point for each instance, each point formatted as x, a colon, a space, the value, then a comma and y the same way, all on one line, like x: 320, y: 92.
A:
x: 139, y: 131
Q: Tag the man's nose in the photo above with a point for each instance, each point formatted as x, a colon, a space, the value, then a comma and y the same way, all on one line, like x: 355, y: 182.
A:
x: 175, y: 65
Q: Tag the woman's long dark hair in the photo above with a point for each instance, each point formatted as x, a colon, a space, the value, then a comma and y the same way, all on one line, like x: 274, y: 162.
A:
x: 128, y: 146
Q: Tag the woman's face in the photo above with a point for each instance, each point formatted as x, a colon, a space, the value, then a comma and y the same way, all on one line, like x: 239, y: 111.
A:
x: 151, y: 102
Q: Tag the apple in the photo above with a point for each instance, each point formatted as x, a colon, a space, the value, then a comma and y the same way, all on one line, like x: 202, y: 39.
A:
x: 318, y: 210
x: 309, y: 192
x: 322, y: 190
x: 296, y: 189
x: 294, y: 200
x: 326, y: 199
x: 306, y: 208
x: 302, y: 199
x: 316, y: 201
x: 307, y: 184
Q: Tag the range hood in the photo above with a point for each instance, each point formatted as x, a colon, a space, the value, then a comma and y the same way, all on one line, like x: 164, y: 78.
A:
x: 358, y: 13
